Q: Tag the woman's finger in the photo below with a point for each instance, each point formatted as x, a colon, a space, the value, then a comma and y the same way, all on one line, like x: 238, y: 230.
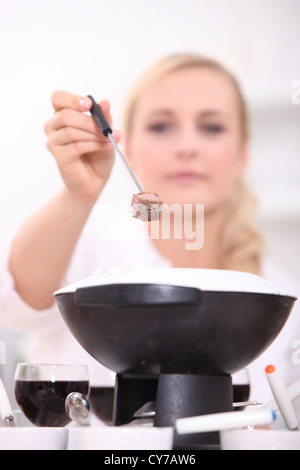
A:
x: 67, y: 135
x: 72, y: 151
x: 63, y: 99
x: 67, y: 117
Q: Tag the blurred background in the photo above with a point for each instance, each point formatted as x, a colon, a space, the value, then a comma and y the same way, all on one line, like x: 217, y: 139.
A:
x: 99, y: 47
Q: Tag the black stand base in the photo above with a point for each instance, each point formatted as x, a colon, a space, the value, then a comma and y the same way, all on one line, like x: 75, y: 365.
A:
x: 176, y: 396
x: 131, y: 392
x: 180, y: 396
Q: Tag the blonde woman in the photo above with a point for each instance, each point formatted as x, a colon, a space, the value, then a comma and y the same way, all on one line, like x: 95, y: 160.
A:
x: 185, y: 135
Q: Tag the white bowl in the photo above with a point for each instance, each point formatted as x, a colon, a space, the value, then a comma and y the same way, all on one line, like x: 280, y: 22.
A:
x: 120, y: 438
x: 31, y: 438
x: 260, y: 439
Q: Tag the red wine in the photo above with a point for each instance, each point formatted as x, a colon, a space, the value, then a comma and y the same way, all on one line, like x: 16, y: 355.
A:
x: 101, y: 401
x: 43, y: 402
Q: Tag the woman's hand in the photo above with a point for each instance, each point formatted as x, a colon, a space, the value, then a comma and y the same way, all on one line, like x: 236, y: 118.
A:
x: 83, y: 155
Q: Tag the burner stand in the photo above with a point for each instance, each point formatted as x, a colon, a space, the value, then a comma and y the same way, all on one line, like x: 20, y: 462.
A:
x: 176, y: 396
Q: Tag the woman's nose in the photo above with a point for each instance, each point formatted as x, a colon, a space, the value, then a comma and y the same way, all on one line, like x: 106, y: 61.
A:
x: 187, y: 143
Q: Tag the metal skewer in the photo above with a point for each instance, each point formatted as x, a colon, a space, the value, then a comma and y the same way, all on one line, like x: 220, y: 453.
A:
x: 5, y: 408
x: 105, y: 128
x: 124, y: 160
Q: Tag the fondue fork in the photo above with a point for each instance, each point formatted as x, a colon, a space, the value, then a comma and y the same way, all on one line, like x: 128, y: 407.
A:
x: 106, y: 130
x: 282, y: 398
x: 77, y: 408
x: 222, y: 421
x: 148, y: 409
x: 5, y: 408
x: 293, y: 391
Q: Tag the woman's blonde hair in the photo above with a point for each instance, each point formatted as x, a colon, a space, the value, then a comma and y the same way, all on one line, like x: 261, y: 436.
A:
x: 241, y: 243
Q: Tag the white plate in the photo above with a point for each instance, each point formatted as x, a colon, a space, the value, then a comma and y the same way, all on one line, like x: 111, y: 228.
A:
x: 33, y: 438
x: 120, y: 438
x: 260, y: 439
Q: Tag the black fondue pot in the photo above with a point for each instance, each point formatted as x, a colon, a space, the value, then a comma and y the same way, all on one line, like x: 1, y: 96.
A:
x: 174, y: 335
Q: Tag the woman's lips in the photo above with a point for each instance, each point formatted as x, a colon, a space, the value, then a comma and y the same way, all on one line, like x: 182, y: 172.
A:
x: 186, y: 177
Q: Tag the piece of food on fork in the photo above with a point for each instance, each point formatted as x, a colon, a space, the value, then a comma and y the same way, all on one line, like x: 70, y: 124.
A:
x: 146, y: 206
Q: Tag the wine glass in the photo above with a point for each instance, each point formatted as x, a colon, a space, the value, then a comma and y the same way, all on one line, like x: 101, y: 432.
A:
x: 101, y: 401
x: 41, y: 391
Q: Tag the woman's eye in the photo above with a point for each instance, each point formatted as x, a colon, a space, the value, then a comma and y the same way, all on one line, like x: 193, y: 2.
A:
x: 160, y: 127
x: 212, y: 128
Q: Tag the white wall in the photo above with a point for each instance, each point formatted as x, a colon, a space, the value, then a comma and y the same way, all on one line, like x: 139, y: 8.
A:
x: 98, y: 47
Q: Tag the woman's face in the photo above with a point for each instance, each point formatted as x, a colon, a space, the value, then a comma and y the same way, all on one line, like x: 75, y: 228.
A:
x: 185, y: 142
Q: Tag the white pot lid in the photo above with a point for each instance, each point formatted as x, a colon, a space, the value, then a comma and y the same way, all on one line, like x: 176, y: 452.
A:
x: 205, y: 279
